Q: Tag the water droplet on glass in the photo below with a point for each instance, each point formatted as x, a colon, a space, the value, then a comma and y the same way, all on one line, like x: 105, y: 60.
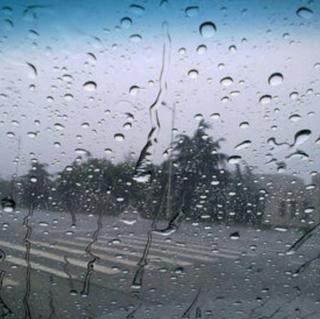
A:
x: 191, y: 11
x: 33, y: 179
x: 232, y: 49
x: 135, y: 38
x: 134, y: 90
x: 90, y: 86
x: 294, y: 117
x: 244, y: 124
x: 275, y: 79
x: 242, y: 145
x: 68, y: 97
x: 81, y: 151
x: 8, y: 204
x: 234, y: 236
x: 207, y: 29
x: 126, y: 22
x: 32, y: 134
x: 193, y: 74
x: 119, y: 137
x: 127, y: 126
x: 265, y: 99
x: 137, y: 9
x: 235, y: 159
x: 202, y: 49
x: 11, y: 134
x: 301, y: 136
x: 227, y: 81
x: 294, y: 95
x: 58, y: 126
x: 32, y: 71
x: 304, y: 13
x: 215, y: 116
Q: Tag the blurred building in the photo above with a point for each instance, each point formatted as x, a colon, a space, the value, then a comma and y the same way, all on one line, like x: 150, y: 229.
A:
x: 288, y: 202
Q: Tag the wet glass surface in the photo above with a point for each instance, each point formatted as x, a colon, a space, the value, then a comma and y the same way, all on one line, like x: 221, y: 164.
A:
x: 159, y: 159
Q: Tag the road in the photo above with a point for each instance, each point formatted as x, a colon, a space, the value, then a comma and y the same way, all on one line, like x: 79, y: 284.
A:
x: 200, y: 271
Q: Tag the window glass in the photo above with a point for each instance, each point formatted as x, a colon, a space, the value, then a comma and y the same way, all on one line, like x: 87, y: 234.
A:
x: 159, y: 159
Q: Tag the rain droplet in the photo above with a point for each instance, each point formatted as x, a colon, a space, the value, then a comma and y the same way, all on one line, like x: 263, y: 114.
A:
x: 136, y: 9
x: 202, y: 49
x: 227, y: 81
x: 215, y: 116
x: 294, y: 117
x: 119, y: 137
x: 235, y: 159
x: 244, y: 124
x: 207, y: 29
x: 193, y: 74
x: 191, y: 11
x: 81, y: 151
x: 304, y: 13
x: 32, y: 134
x: 265, y: 99
x: 8, y: 204
x: 293, y: 95
x: 126, y: 22
x: 234, y: 236
x: 134, y: 90
x: 90, y: 86
x: 232, y: 49
x: 33, y: 71
x: 58, y: 126
x: 127, y: 125
x: 135, y: 38
x: 242, y: 145
x: 68, y: 97
x: 301, y: 136
x: 275, y: 79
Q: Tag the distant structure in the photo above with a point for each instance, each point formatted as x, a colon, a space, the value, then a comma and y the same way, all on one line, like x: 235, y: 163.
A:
x: 288, y: 201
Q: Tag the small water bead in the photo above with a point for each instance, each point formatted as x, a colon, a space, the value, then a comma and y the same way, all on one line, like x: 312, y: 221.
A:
x: 304, y: 13
x: 235, y: 159
x: 68, y: 97
x: 207, y: 29
x: 294, y: 118
x: 294, y: 95
x: 193, y: 74
x: 244, y: 125
x: 234, y: 236
x: 191, y: 11
x: 119, y: 137
x: 137, y: 9
x: 265, y: 99
x: 134, y: 90
x: 226, y: 81
x: 135, y: 38
x: 242, y: 145
x: 58, y: 126
x: 202, y: 49
x: 275, y: 79
x: 232, y: 49
x: 90, y: 86
x: 127, y: 126
x: 215, y: 116
x: 126, y: 22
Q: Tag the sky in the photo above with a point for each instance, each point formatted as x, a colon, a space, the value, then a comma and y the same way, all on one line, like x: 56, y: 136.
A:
x: 81, y: 76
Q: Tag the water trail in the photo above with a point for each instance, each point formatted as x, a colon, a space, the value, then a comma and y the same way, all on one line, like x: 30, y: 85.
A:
x: 5, y: 310
x: 51, y: 304
x: 88, y: 250
x: 26, y: 298
x: 173, y: 225
x: 131, y: 315
x: 306, y: 265
x: 307, y: 235
x: 188, y: 311
x: 142, y: 169
x: 67, y: 272
x: 138, y: 277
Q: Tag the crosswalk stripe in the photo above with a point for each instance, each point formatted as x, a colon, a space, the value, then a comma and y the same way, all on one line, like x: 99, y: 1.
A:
x: 78, y: 251
x: 124, y: 252
x: 189, y: 252
x: 198, y: 248
x: 174, y: 252
x: 73, y: 261
x: 22, y: 262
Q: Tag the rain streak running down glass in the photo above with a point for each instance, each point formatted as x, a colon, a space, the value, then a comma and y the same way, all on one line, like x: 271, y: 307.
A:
x: 160, y: 159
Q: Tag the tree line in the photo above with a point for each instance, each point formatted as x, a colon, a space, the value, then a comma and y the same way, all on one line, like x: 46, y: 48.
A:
x: 194, y: 179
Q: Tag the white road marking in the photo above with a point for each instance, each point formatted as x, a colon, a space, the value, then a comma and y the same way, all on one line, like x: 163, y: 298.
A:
x: 72, y: 261
x: 152, y: 257
x: 170, y: 251
x: 36, y: 266
x: 197, y: 248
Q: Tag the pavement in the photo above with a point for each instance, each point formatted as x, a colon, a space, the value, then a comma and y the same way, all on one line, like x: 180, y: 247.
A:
x: 199, y: 271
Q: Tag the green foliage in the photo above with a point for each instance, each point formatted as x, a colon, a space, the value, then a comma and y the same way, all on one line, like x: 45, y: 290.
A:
x: 195, y: 178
